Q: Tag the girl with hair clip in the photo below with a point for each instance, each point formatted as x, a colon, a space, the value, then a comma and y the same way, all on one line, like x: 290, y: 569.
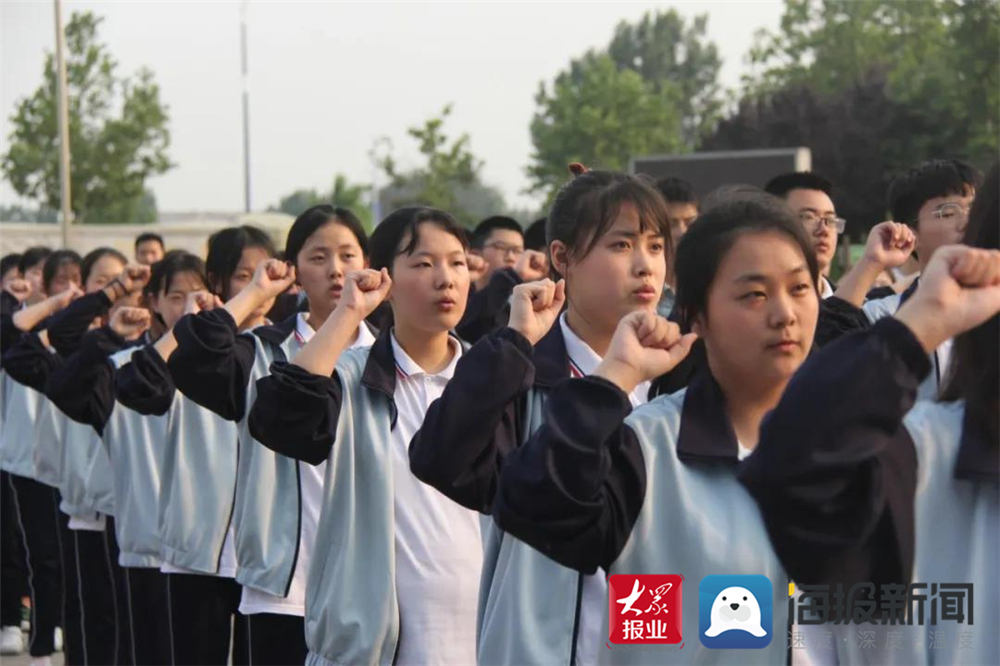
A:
x: 653, y: 489
x: 68, y: 455
x: 278, y: 498
x: 84, y: 390
x: 396, y: 565
x: 609, y: 238
x: 198, y: 478
x: 54, y: 280
x: 883, y: 488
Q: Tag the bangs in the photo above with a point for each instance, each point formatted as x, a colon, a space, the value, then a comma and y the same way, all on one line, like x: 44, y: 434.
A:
x: 600, y: 209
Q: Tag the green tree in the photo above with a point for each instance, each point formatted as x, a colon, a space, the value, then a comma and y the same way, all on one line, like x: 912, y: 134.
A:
x: 342, y: 194
x: 939, y: 58
x: 669, y: 52
x: 602, y: 116
x: 137, y: 210
x: 448, y: 179
x: 298, y: 201
x: 118, y: 131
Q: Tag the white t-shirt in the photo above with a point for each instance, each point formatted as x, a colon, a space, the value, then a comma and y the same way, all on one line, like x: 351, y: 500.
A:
x: 594, y: 595
x: 311, y: 479
x: 439, y: 552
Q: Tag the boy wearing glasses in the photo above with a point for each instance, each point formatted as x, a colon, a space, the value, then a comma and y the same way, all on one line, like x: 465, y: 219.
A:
x: 502, y: 264
x: 808, y: 194
x: 933, y: 200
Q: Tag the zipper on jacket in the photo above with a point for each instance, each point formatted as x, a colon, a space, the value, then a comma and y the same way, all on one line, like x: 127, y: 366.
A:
x: 232, y: 508
x: 298, y: 533
x: 576, y: 618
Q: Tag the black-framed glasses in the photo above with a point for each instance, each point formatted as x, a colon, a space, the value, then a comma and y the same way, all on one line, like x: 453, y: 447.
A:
x: 812, y: 221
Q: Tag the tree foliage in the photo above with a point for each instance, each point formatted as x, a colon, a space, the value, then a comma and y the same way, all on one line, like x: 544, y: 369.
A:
x: 117, y: 126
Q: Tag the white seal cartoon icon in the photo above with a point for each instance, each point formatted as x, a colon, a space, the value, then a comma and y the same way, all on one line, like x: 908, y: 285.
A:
x: 735, y: 608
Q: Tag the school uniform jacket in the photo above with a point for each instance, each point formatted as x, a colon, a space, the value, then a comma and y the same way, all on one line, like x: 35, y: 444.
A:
x: 198, y: 473
x: 63, y: 454
x: 845, y: 318
x: 352, y: 614
x: 856, y: 485
x: 495, y: 401
x: 218, y: 368
x: 33, y: 444
x: 86, y: 470
x: 488, y: 309
x: 647, y: 491
x: 133, y: 442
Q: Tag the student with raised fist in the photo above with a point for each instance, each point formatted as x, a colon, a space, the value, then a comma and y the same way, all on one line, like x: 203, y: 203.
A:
x: 198, y: 478
x: 859, y: 480
x: 609, y: 239
x: 498, y: 261
x: 278, y: 498
x: 84, y: 390
x: 605, y: 484
x: 395, y: 570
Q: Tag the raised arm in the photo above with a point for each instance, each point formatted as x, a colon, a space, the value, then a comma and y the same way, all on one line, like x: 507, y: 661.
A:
x: 476, y: 423
x: 835, y: 471
x: 83, y: 388
x: 298, y: 405
x: 575, y: 489
x: 889, y: 245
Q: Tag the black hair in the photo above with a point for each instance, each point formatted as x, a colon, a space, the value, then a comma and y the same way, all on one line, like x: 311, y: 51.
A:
x: 483, y: 230
x: 311, y: 219
x: 676, y: 190
x: 403, y: 226
x: 54, y: 262
x: 928, y: 180
x: 94, y: 256
x: 148, y: 236
x: 782, y: 184
x: 33, y: 256
x: 9, y: 261
x: 705, y: 245
x: 176, y: 261
x: 225, y: 249
x: 587, y: 206
x: 975, y: 365
x: 534, y: 236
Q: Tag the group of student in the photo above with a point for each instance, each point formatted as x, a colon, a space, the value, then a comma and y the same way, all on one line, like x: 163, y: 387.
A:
x: 430, y: 446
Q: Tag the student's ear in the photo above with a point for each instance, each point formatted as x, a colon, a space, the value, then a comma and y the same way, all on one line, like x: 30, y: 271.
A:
x: 698, y: 326
x: 559, y: 256
x: 475, y: 251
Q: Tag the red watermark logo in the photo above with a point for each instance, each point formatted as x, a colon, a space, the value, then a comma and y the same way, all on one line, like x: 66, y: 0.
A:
x: 644, y: 609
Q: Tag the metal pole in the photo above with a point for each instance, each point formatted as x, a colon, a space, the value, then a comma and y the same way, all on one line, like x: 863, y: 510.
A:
x: 62, y: 103
x: 246, y: 106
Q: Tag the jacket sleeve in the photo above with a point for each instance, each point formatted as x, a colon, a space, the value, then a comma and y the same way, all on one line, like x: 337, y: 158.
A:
x: 9, y: 333
x: 475, y: 424
x: 837, y: 318
x: 83, y: 388
x: 212, y: 362
x: 834, y: 472
x: 144, y: 384
x: 295, y: 413
x: 575, y: 489
x: 29, y: 363
x: 486, y: 311
x: 68, y: 326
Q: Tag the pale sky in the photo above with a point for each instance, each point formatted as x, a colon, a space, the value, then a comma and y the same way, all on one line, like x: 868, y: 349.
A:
x: 328, y: 78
